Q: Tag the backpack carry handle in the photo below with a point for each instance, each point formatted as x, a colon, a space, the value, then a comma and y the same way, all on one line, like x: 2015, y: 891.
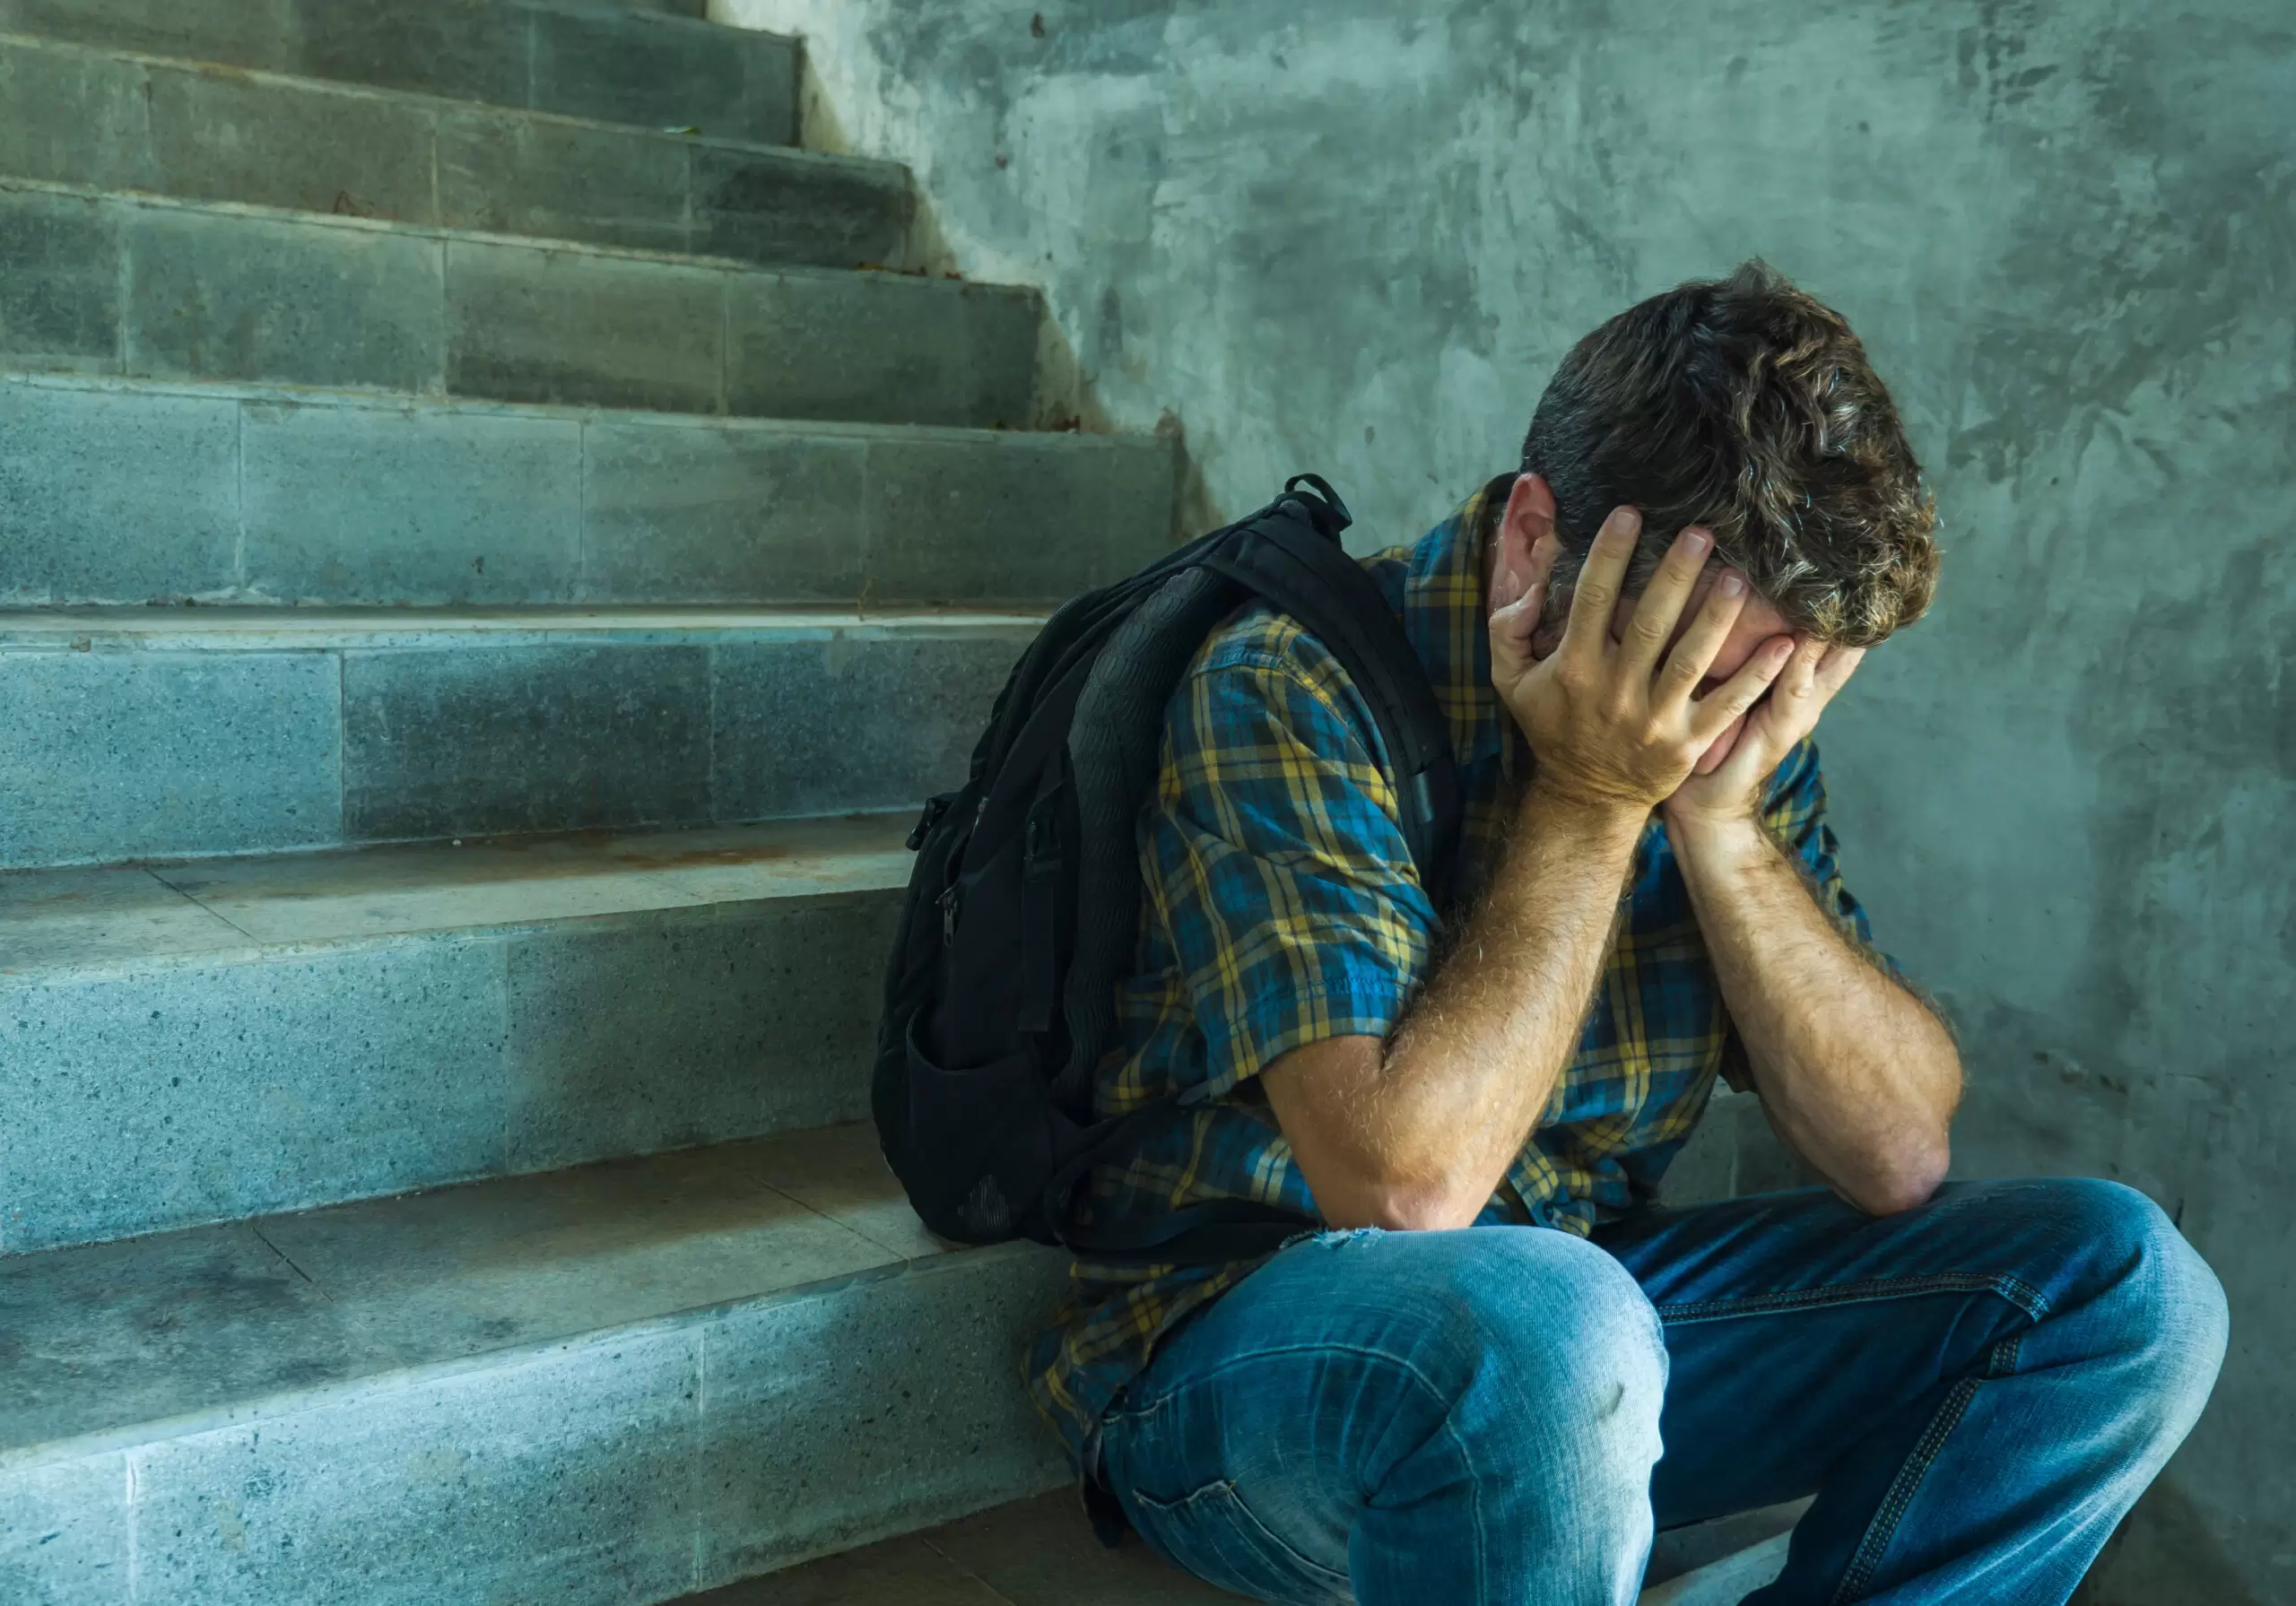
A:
x: 1332, y: 507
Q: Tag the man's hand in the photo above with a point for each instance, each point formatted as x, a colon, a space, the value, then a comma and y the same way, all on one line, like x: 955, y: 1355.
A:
x: 1614, y: 724
x: 1731, y: 794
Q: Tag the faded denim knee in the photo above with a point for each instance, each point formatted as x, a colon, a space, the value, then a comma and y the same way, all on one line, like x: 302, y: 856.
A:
x: 1547, y: 1350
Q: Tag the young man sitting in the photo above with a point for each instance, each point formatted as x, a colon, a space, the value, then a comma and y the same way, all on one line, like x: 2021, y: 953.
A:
x: 1502, y: 1364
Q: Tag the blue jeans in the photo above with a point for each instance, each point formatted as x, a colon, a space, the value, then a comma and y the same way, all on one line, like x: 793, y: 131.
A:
x: 1975, y: 1391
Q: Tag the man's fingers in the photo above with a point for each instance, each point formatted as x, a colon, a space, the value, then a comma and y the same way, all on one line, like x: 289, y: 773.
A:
x: 1506, y: 586
x: 1592, y: 601
x: 1659, y: 609
x: 1512, y: 627
x: 1818, y: 672
x: 1795, y: 692
x: 1543, y: 552
x: 1802, y: 670
x: 1693, y: 654
x: 1717, y: 708
x: 1513, y: 579
x: 1833, y: 674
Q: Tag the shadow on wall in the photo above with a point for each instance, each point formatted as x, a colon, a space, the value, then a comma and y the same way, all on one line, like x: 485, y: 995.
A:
x: 2165, y: 1551
x: 1065, y: 398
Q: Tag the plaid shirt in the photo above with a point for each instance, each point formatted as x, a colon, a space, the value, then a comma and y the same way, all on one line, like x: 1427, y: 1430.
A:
x: 1280, y: 908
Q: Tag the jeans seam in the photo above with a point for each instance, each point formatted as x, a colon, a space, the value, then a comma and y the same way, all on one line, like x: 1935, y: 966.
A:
x: 1307, y: 1564
x: 2021, y: 1294
x: 1474, y: 1506
x: 2001, y: 1361
x: 1917, y: 1466
x: 1450, y: 1429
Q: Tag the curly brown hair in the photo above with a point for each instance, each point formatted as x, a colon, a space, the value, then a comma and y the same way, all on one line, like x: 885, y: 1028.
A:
x: 1747, y: 406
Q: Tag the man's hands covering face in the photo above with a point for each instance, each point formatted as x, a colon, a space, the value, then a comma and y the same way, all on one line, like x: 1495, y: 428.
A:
x: 1617, y: 723
x: 1733, y: 791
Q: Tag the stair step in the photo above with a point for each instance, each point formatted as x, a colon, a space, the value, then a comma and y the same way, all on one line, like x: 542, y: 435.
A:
x: 199, y: 1042
x: 113, y: 121
x: 151, y: 288
x: 1727, y: 1582
x: 618, y: 1384
x: 616, y: 63
x: 143, y: 492
x: 156, y: 733
x: 1041, y: 1551
x: 109, y: 120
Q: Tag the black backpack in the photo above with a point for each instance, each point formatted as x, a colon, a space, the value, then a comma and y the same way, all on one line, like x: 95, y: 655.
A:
x: 1024, y: 908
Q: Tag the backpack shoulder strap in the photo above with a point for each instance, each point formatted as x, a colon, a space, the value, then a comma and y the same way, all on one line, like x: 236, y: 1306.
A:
x: 1289, y: 556
x: 1296, y: 564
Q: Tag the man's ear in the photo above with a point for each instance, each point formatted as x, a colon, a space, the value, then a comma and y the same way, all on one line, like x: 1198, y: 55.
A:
x: 1530, y: 514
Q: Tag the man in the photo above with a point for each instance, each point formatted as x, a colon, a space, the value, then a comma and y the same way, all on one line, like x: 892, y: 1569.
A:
x: 1502, y: 1364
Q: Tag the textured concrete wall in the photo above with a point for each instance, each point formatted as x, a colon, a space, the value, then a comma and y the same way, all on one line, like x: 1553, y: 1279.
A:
x: 1356, y: 236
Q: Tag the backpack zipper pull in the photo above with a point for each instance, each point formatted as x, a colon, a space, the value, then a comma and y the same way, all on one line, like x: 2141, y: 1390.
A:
x: 934, y: 807
x: 948, y: 901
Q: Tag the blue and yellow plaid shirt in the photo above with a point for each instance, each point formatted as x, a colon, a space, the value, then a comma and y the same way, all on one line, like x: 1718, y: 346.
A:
x: 1280, y: 908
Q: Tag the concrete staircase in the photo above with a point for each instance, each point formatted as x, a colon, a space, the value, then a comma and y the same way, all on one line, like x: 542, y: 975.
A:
x: 488, y: 529
x: 493, y: 547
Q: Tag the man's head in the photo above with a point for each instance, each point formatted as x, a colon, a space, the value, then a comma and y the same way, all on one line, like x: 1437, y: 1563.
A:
x: 1746, y: 407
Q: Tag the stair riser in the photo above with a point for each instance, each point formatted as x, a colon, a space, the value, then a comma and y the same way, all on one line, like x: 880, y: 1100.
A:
x: 121, y: 753
x: 649, y: 71
x: 97, y: 284
x: 632, y: 1467
x: 198, y: 1093
x: 107, y: 121
x: 133, y: 496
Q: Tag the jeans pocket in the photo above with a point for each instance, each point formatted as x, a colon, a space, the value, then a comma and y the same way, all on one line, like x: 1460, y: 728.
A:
x: 1214, y: 1535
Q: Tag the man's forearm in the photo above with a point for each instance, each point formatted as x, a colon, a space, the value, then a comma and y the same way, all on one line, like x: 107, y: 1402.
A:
x: 1857, y: 1074
x: 1482, y: 1047
x: 1434, y: 1116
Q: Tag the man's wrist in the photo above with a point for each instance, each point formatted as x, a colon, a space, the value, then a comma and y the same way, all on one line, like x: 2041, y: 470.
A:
x: 1718, y: 844
x: 1593, y: 818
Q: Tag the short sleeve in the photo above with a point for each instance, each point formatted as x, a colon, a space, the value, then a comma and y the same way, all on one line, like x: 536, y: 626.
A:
x: 1276, y: 864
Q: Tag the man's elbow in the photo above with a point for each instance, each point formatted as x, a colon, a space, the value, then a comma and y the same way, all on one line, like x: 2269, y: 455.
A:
x: 1405, y: 1206
x: 1907, y: 1181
